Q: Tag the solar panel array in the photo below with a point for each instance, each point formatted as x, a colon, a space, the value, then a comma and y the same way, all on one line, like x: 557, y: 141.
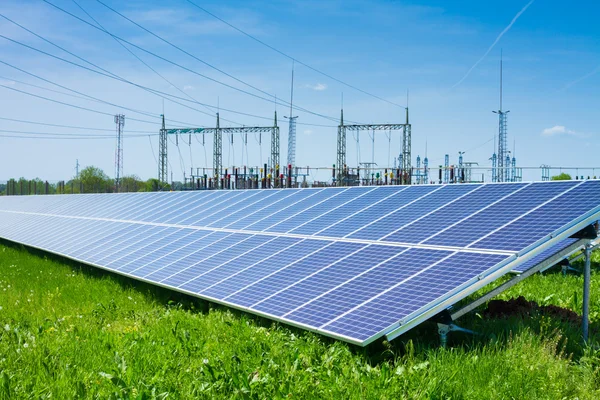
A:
x: 351, y: 263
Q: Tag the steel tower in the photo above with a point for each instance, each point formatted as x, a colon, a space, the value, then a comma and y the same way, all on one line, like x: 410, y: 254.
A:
x: 120, y: 121
x: 163, y: 173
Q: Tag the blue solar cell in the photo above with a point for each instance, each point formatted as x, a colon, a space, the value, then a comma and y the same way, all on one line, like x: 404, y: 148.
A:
x: 266, y: 199
x: 242, y: 244
x: 10, y: 222
x: 91, y: 237
x: 221, y: 208
x: 317, y: 196
x: 499, y: 214
x: 80, y: 239
x: 135, y: 243
x: 69, y: 231
x: 146, y: 206
x: 175, y: 243
x: 364, y: 287
x: 536, y: 225
x: 197, y: 257
x: 357, y: 204
x: 255, y: 217
x: 194, y: 201
x: 334, y: 275
x: 283, y: 278
x: 198, y: 208
x: 182, y: 258
x: 377, y: 210
x: 104, y: 240
x: 30, y: 227
x: 239, y: 264
x: 258, y: 271
x: 451, y: 213
x: 160, y: 212
x: 431, y: 285
x: 133, y: 232
x: 318, y: 209
x: 147, y: 246
x: 399, y: 218
x: 103, y: 204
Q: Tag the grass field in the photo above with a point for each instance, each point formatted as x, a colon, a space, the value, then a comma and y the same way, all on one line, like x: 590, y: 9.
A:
x: 70, y: 331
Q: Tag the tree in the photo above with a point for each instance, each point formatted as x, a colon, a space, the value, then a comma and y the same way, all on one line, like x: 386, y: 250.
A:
x: 132, y: 183
x: 563, y: 176
x: 94, y: 180
x: 154, y: 185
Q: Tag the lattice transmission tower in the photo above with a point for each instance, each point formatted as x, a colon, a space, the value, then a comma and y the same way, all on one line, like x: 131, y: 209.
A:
x: 163, y: 170
x: 120, y: 122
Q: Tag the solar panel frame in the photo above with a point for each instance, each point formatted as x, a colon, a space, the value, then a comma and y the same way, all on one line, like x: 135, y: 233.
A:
x: 137, y: 204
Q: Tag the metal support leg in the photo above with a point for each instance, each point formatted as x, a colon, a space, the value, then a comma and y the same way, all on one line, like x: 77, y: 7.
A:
x: 586, y: 292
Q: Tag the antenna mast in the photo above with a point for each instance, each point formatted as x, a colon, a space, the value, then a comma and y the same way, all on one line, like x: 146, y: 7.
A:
x: 291, y: 155
x: 503, y: 170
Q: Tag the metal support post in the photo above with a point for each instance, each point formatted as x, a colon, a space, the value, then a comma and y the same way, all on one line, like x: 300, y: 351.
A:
x: 586, y: 292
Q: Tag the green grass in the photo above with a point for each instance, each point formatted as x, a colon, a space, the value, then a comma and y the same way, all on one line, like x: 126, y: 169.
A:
x: 70, y: 331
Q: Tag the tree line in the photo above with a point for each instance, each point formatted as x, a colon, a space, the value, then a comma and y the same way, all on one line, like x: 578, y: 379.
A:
x: 91, y: 179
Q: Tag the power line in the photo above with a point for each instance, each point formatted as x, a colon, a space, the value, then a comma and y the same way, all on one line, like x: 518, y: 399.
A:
x: 185, y: 68
x: 48, y: 137
x: 200, y: 60
x: 106, y: 72
x: 64, y: 126
x: 42, y: 88
x: 109, y: 75
x: 116, y: 77
x: 292, y: 58
x: 148, y: 114
x: 138, y: 58
x: 67, y: 134
x: 72, y: 105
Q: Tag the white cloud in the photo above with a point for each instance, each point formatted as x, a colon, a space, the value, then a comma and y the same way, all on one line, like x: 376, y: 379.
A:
x: 308, y: 132
x: 557, y: 130
x: 318, y: 87
x: 188, y: 87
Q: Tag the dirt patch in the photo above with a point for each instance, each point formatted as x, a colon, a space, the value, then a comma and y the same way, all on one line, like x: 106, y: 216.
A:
x: 521, y: 307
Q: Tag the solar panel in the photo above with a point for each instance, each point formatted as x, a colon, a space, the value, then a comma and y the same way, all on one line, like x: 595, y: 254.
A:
x: 352, y: 263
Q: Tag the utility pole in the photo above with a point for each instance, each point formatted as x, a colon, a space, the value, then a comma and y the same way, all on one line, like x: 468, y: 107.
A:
x: 77, y: 169
x: 163, y: 174
x: 120, y: 121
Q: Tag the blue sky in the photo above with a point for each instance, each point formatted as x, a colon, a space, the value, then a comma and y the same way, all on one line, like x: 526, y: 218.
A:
x: 551, y: 80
